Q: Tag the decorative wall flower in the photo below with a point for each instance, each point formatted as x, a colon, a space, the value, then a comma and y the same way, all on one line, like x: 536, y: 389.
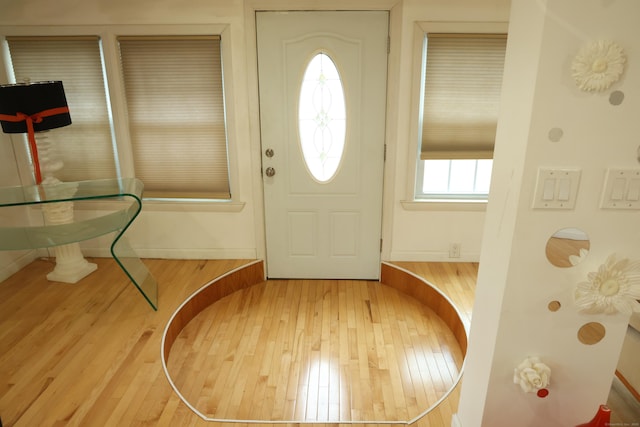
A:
x: 532, y: 375
x: 598, y: 65
x: 615, y: 287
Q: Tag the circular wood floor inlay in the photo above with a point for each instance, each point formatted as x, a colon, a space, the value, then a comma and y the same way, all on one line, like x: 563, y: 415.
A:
x: 339, y: 351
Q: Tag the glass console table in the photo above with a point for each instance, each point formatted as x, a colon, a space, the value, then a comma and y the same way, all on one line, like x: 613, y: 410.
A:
x: 44, y: 236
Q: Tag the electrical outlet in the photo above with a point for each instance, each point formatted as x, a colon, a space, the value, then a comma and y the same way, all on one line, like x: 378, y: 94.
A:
x: 454, y: 250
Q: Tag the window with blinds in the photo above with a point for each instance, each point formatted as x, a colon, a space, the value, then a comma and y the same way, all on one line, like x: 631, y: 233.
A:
x: 86, y: 147
x: 462, y: 82
x: 175, y: 101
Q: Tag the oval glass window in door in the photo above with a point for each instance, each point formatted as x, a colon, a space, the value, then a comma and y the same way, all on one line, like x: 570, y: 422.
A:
x: 322, y: 118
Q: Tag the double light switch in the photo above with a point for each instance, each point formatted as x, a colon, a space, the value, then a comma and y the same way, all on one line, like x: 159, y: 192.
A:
x: 556, y: 188
x: 621, y: 189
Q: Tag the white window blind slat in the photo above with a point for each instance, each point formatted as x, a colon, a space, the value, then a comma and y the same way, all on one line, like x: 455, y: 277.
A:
x: 462, y: 85
x: 86, y: 146
x: 176, y: 113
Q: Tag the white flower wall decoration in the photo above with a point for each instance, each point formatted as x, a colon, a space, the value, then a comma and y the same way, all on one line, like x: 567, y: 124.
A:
x: 598, y: 65
x: 532, y: 375
x: 614, y: 288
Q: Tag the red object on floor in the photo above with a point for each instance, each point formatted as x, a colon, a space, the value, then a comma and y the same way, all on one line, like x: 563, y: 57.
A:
x: 602, y: 418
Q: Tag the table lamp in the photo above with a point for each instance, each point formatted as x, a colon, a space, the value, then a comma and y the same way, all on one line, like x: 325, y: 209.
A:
x: 33, y: 107
x: 36, y: 108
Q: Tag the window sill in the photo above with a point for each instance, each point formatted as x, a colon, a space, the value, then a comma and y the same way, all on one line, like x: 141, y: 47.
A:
x: 167, y: 206
x: 444, y: 205
x: 203, y: 206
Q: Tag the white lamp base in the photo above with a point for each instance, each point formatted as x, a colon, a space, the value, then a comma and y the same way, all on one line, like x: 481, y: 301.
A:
x: 71, y: 266
x: 70, y: 263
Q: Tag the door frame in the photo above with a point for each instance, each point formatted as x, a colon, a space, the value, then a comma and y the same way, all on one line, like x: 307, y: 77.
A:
x: 393, y: 7
x: 339, y: 222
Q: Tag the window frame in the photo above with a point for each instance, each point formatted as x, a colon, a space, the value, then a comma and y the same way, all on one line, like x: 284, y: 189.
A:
x: 413, y: 199
x: 444, y: 196
x: 108, y: 35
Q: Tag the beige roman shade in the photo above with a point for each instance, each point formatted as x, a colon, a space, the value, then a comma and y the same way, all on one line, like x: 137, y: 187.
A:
x: 176, y: 115
x: 463, y: 78
x: 86, y: 146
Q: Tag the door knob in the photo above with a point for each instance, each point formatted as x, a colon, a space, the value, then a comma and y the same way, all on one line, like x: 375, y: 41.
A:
x: 270, y: 171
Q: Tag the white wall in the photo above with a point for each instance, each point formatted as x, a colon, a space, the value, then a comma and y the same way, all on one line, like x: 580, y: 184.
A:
x: 10, y: 261
x: 511, y: 320
x: 184, y: 231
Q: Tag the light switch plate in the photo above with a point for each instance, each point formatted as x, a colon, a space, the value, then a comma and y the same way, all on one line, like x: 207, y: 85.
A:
x: 621, y: 189
x: 556, y: 188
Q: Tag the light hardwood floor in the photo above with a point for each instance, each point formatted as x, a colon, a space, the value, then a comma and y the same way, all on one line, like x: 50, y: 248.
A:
x: 89, y: 354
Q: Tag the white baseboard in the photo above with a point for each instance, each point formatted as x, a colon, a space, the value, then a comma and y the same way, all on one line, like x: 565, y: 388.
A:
x: 214, y: 253
x: 427, y: 256
x: 17, y: 263
x: 455, y: 421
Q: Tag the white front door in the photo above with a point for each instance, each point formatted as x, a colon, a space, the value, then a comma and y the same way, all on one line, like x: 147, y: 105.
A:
x: 323, y: 155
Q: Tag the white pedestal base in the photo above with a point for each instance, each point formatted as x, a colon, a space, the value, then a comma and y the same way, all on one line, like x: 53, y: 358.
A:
x: 70, y: 265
